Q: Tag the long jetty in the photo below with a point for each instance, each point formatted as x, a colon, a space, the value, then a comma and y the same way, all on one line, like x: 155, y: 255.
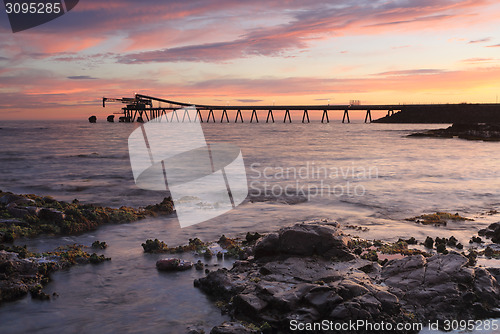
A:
x: 140, y: 109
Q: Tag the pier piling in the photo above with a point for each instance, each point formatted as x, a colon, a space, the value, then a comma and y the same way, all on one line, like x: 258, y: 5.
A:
x: 287, y: 113
x: 238, y: 114
x: 306, y: 114
x: 270, y: 113
x: 346, y: 114
x: 254, y: 112
x: 325, y: 114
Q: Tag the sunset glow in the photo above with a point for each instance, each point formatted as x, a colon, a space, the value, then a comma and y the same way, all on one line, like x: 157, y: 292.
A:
x: 259, y: 52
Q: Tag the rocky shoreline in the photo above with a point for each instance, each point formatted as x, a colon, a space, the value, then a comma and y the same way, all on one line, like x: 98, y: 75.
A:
x: 307, y: 273
x: 31, y: 215
x: 311, y: 272
x: 471, y: 131
x: 23, y: 271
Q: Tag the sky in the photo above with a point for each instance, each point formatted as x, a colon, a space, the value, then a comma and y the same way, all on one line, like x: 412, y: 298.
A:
x: 251, y: 52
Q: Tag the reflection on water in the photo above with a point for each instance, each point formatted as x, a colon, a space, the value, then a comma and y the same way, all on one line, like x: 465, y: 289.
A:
x: 126, y: 294
x: 90, y: 162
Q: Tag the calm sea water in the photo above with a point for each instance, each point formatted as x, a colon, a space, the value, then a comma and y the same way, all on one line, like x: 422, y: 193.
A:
x: 369, y: 175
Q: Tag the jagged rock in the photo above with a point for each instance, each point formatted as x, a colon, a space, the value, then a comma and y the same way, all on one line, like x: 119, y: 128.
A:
x: 493, y: 232
x: 267, y: 246
x: 18, y: 276
x: 12, y: 198
x: 325, y: 240
x: 232, y: 328
x: 17, y: 212
x: 52, y: 215
x: 171, y: 264
x: 471, y: 131
x: 442, y: 286
x: 290, y: 279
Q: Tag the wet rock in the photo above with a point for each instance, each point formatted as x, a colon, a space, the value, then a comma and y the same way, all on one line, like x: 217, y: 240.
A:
x: 476, y: 240
x: 442, y: 286
x: 92, y: 119
x: 51, y: 215
x: 18, y: 276
x: 172, y: 264
x: 12, y: 198
x: 325, y: 240
x: 249, y: 303
x: 17, y: 212
x: 291, y: 279
x: 493, y: 232
x: 199, y: 265
x: 267, y: 246
x: 155, y: 246
x: 99, y: 245
x: 429, y: 243
x: 470, y: 131
x: 37, y: 293
x: 232, y: 328
x: 251, y: 237
x: 110, y: 118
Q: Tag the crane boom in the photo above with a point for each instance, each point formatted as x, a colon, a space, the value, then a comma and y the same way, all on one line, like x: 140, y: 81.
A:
x: 128, y: 100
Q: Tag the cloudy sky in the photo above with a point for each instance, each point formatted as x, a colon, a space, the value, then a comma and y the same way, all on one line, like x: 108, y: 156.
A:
x: 241, y: 52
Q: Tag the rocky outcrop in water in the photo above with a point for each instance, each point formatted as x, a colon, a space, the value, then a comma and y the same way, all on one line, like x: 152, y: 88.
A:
x: 307, y: 273
x: 31, y: 215
x: 493, y: 232
x: 172, y: 264
x: 92, y: 119
x: 23, y: 272
x: 474, y: 131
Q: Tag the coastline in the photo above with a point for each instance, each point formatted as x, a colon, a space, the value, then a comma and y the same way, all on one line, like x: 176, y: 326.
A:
x: 339, y: 267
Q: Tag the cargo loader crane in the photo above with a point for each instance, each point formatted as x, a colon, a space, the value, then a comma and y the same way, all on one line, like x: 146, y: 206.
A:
x: 136, y: 105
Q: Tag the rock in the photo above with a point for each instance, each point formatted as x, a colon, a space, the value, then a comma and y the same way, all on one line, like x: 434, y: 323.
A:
x: 429, y: 243
x: 442, y: 286
x: 51, y: 215
x: 291, y: 279
x: 92, y: 119
x: 17, y: 212
x: 325, y: 240
x: 110, y: 118
x: 493, y: 232
x: 172, y: 264
x: 267, y: 246
x: 470, y: 131
x: 249, y: 303
x: 232, y: 328
x: 11, y: 198
x: 99, y: 245
x: 19, y: 276
x: 199, y: 265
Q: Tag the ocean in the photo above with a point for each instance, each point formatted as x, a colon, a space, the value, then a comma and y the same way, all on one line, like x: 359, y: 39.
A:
x: 370, y: 176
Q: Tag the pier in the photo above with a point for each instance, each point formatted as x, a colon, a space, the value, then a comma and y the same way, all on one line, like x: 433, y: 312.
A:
x: 140, y: 109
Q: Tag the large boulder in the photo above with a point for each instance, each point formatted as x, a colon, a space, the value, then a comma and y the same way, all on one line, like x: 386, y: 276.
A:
x: 306, y: 239
x: 12, y: 198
